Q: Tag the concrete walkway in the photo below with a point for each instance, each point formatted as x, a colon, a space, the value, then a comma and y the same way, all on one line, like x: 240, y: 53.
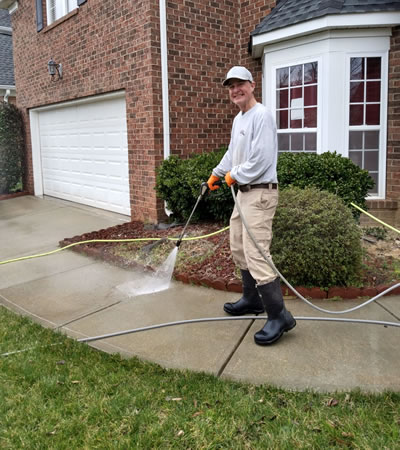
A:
x: 56, y: 289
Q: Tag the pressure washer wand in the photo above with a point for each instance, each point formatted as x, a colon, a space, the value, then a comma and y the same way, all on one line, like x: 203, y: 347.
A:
x: 203, y: 191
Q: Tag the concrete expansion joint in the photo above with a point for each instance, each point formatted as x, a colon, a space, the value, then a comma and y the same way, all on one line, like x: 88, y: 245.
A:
x: 232, y: 353
x: 388, y: 310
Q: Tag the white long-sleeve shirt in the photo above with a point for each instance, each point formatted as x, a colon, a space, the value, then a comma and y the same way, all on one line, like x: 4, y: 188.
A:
x: 252, y: 153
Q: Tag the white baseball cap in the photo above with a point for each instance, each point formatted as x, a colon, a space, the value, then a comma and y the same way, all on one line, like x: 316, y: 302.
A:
x: 239, y: 73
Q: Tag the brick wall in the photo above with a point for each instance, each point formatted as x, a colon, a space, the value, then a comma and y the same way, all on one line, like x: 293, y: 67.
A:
x: 109, y: 45
x: 393, y: 137
x: 202, y: 46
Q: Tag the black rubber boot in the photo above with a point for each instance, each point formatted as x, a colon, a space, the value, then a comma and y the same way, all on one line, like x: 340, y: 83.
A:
x: 250, y: 303
x: 279, y: 318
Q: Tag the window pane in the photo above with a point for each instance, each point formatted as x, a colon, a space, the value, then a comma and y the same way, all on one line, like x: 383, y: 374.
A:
x: 310, y: 141
x: 282, y: 100
x: 283, y: 142
x: 371, y: 160
x: 357, y: 92
x: 296, y: 141
x: 296, y: 93
x: 375, y: 177
x: 296, y: 123
x: 373, y: 91
x: 373, y: 68
x: 310, y: 117
x: 355, y: 140
x: 356, y: 114
x: 310, y: 95
x: 296, y: 75
x: 371, y: 139
x: 356, y: 157
x: 311, y: 73
x: 357, y: 69
x: 372, y: 116
x: 282, y: 119
x: 282, y: 77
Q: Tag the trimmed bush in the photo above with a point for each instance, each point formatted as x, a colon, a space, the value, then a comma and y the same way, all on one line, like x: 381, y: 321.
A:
x: 179, y: 181
x: 316, y: 241
x: 11, y: 148
x: 328, y: 172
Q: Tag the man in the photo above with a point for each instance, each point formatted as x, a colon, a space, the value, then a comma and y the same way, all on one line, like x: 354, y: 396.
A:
x: 250, y: 161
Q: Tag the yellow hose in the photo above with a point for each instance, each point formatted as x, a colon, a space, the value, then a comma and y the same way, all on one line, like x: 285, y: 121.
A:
x: 110, y: 240
x: 375, y: 218
x: 157, y: 239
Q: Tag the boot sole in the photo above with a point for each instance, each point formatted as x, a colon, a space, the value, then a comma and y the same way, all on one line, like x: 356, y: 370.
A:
x: 261, y: 342
x: 234, y: 313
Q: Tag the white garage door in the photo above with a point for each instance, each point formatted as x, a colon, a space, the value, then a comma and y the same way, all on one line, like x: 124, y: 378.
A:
x: 84, y: 153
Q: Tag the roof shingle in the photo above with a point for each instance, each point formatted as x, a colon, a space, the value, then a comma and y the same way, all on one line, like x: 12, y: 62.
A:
x: 6, y: 51
x: 291, y: 12
x: 5, y: 18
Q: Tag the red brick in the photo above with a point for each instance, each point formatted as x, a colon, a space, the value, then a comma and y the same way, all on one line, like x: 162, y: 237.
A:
x: 369, y: 292
x: 344, y: 292
x: 234, y: 286
x: 310, y: 292
x: 218, y: 284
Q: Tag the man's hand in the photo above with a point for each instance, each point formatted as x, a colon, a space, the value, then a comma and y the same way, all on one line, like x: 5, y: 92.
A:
x: 211, y: 182
x: 229, y: 180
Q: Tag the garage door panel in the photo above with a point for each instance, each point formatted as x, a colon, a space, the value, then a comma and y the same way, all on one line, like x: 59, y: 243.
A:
x: 84, y: 154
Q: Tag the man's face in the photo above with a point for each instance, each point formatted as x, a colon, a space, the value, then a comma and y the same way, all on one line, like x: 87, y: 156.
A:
x: 241, y: 93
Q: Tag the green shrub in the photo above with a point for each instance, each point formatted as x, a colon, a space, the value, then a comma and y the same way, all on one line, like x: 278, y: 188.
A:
x: 316, y: 240
x: 11, y: 148
x: 328, y: 172
x: 179, y: 181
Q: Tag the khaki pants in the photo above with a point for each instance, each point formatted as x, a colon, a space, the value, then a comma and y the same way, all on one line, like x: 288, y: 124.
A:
x: 258, y: 208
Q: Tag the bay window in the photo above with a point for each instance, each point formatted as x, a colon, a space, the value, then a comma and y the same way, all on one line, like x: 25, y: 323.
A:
x: 328, y: 92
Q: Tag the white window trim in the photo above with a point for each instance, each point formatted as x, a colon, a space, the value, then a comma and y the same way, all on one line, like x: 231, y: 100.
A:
x: 332, y: 50
x: 383, y: 116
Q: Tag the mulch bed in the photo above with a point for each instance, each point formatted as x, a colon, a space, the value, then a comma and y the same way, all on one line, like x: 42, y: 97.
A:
x: 217, y: 270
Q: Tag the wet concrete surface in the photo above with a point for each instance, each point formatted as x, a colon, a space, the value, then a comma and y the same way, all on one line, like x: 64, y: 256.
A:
x: 66, y: 286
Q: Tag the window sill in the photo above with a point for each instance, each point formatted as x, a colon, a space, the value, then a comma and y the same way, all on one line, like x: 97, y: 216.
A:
x: 61, y: 20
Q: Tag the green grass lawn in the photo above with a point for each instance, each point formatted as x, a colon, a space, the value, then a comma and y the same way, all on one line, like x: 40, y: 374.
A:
x: 70, y: 396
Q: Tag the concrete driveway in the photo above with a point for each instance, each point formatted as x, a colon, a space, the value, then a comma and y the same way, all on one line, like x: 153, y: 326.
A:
x: 66, y: 289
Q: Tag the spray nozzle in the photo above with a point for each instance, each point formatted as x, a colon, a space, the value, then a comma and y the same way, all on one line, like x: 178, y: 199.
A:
x: 204, y: 187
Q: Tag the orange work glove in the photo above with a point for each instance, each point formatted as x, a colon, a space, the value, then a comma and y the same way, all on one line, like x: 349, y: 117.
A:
x: 211, y: 182
x: 229, y: 180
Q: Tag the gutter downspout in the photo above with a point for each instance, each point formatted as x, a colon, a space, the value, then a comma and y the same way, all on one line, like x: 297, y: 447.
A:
x: 7, y: 94
x: 164, y: 82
